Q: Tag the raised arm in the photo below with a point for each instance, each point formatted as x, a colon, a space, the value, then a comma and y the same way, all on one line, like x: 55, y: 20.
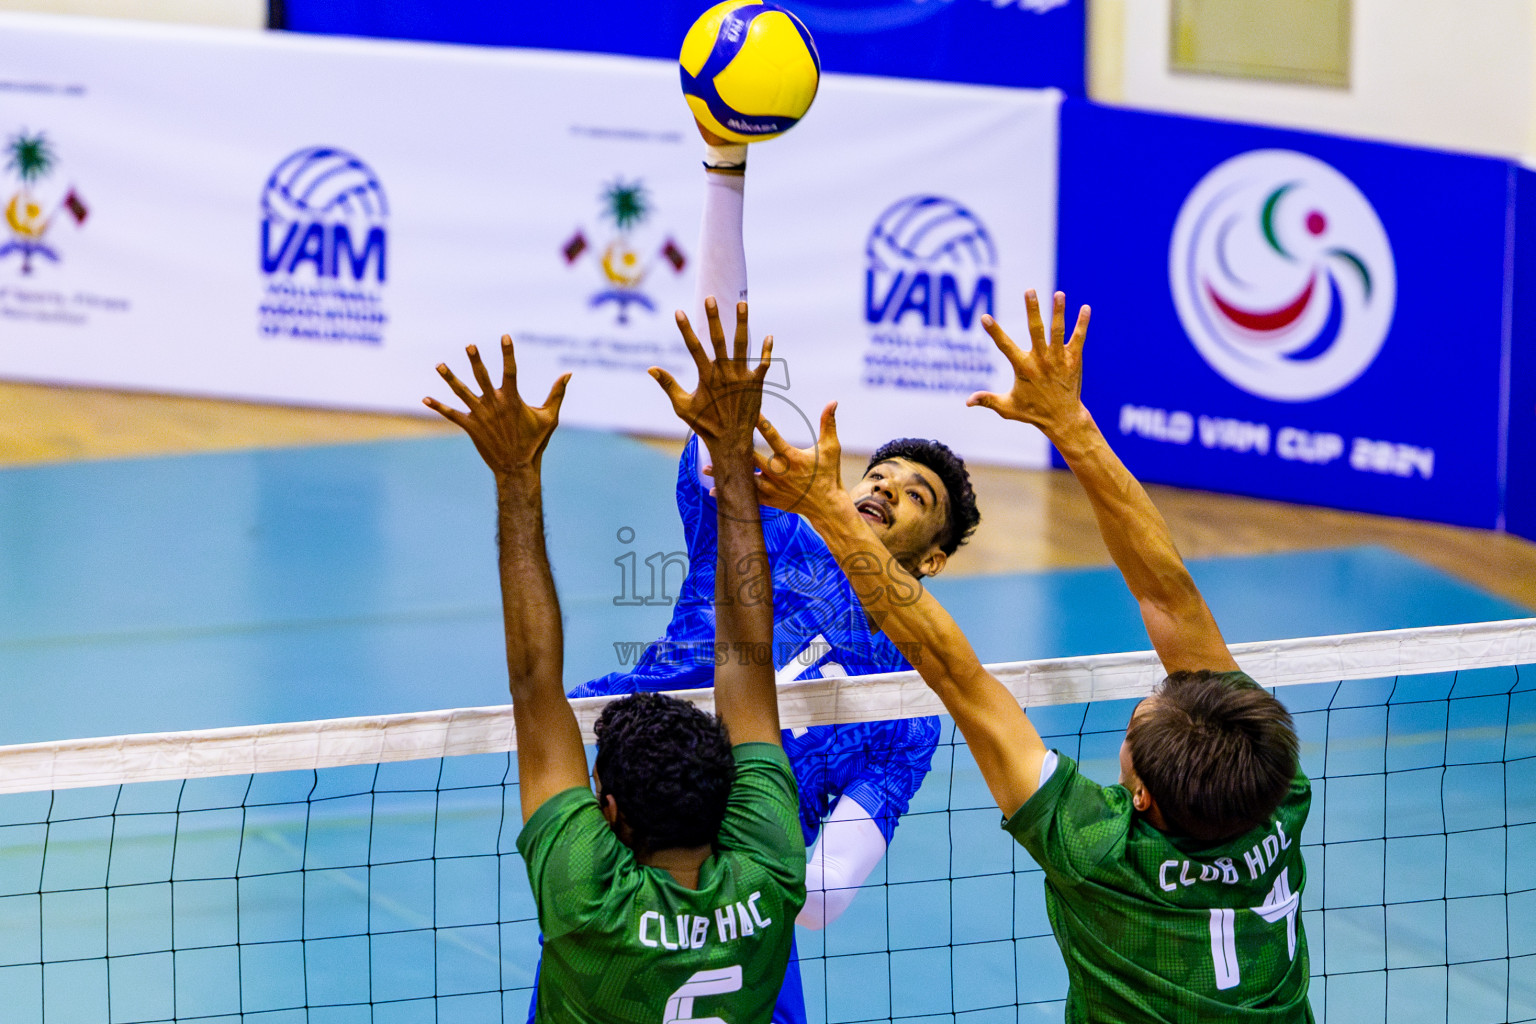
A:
x: 1047, y: 392
x: 510, y: 436
x: 723, y: 411
x: 721, y: 269
x: 720, y: 272
x: 1007, y: 748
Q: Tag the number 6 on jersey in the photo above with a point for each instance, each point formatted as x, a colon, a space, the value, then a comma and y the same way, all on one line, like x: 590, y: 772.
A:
x: 704, y: 983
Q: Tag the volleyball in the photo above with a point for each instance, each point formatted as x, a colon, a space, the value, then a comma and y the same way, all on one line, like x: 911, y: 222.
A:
x: 749, y: 70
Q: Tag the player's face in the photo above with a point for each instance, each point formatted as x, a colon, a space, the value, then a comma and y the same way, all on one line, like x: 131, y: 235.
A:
x: 906, y: 505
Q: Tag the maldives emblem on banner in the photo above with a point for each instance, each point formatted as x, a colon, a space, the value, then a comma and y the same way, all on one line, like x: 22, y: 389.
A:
x: 30, y: 159
x: 1282, y: 275
x: 324, y: 249
x: 621, y: 262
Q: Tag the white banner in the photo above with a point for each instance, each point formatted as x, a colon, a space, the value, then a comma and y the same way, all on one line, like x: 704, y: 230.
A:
x: 321, y: 221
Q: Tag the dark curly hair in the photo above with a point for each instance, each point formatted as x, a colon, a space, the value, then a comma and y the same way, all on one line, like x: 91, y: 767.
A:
x: 668, y: 767
x: 1216, y: 751
x: 963, y: 514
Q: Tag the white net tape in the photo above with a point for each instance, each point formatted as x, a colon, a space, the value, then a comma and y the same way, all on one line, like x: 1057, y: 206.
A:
x: 243, y: 750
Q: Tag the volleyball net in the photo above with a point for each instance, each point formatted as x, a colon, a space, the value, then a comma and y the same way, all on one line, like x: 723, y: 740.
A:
x: 365, y: 870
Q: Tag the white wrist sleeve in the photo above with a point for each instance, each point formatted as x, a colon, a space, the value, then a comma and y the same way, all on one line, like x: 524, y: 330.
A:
x: 722, y: 259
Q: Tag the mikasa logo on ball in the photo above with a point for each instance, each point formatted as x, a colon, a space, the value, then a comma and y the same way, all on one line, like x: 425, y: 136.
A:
x: 1282, y: 275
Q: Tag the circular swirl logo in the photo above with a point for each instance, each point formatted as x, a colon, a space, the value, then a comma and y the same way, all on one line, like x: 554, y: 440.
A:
x: 1282, y: 275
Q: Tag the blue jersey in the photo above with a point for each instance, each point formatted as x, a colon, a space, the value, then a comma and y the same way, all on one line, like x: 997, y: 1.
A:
x: 819, y: 630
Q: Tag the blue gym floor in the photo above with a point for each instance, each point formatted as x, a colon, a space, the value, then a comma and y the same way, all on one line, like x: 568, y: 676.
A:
x: 292, y: 584
x: 281, y: 585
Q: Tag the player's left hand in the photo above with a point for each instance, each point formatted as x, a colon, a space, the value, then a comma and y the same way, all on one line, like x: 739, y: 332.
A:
x: 804, y: 480
x: 1048, y: 378
x: 723, y: 410
x: 509, y: 434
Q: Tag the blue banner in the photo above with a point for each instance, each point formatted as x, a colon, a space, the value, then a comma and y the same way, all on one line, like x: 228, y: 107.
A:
x: 1288, y: 315
x: 1033, y: 43
x: 1520, y: 494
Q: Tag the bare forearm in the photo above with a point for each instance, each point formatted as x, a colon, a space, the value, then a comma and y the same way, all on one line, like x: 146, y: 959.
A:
x: 1006, y: 745
x: 1177, y: 618
x: 1134, y: 531
x: 530, y: 609
x: 510, y: 436
x: 894, y: 598
x: 744, y: 688
x: 550, y: 757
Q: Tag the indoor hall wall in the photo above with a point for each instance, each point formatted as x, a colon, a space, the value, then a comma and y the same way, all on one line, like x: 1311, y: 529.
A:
x: 1458, y: 76
x: 218, y: 13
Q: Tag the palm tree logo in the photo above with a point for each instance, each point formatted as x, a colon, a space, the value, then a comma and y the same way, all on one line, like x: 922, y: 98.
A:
x: 627, y: 204
x: 31, y: 158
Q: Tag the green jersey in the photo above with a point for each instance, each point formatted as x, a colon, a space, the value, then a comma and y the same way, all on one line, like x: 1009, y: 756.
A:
x: 627, y: 943
x: 1156, y: 927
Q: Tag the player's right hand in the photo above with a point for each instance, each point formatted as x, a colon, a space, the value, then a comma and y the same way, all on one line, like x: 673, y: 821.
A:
x: 509, y: 434
x: 723, y: 410
x: 1048, y: 378
x: 804, y: 480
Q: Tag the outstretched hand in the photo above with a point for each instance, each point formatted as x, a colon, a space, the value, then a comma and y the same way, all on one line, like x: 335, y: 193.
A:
x: 804, y: 480
x: 725, y: 407
x: 1048, y: 378
x: 509, y: 434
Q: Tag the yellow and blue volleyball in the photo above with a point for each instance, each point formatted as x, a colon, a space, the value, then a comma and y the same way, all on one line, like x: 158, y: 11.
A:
x: 750, y: 70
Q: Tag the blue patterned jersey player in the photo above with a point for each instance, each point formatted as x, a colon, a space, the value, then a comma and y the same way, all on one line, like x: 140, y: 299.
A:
x: 820, y: 630
x: 855, y: 781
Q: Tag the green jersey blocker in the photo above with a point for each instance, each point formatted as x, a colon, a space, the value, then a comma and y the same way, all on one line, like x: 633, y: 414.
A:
x: 1161, y: 928
x: 627, y: 943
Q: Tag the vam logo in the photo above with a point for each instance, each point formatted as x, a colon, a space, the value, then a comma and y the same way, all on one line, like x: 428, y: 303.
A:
x: 930, y: 260
x: 324, y: 210
x: 324, y: 248
x: 1282, y: 275
x: 928, y: 277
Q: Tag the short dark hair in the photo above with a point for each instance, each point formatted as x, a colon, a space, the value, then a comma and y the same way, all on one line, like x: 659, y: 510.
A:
x: 1216, y: 751
x: 668, y: 767
x: 937, y: 456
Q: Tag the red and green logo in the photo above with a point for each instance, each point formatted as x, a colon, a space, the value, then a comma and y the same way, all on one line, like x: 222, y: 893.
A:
x: 1282, y: 275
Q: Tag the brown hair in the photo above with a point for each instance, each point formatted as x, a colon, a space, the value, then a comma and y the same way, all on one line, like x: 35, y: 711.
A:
x: 1216, y: 752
